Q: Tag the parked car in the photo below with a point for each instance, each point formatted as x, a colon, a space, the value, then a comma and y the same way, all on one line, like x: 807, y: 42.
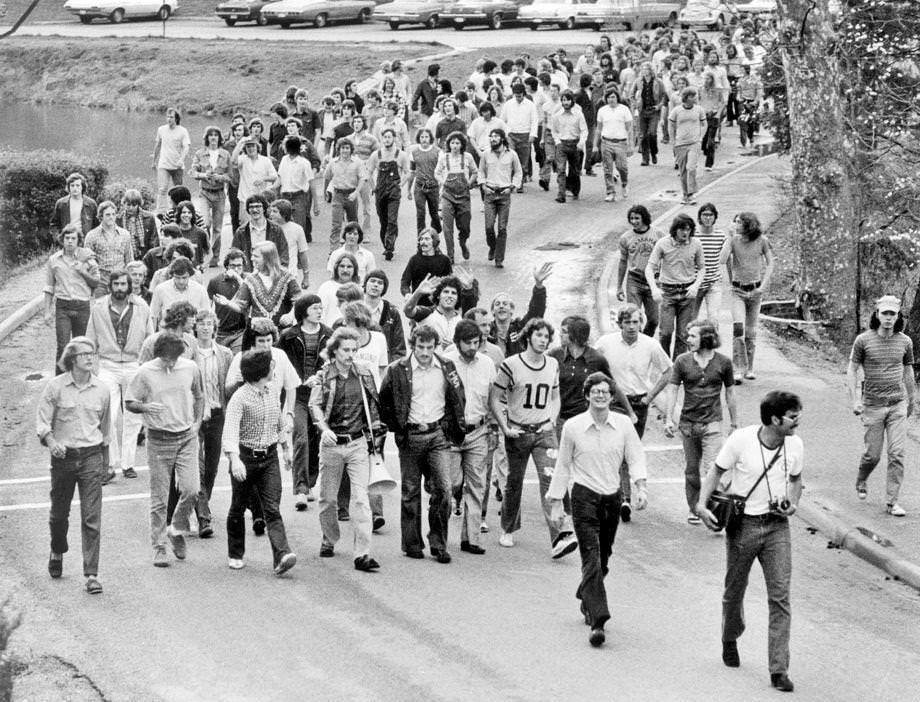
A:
x: 235, y: 11
x: 633, y: 14
x: 756, y: 8
x: 567, y: 14
x: 119, y: 10
x: 319, y: 13
x: 427, y: 12
x: 712, y: 14
x: 492, y: 13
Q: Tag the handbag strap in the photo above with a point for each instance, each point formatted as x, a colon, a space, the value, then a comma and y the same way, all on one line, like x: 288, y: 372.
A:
x: 766, y: 470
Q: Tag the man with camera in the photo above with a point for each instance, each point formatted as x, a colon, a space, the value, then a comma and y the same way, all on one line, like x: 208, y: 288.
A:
x: 765, y: 465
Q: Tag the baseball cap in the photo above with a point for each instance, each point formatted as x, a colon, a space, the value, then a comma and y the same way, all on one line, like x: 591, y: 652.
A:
x: 888, y: 303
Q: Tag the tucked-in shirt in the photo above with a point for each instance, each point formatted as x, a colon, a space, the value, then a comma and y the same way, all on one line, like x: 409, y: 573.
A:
x: 295, y: 174
x: 229, y: 321
x: 745, y: 458
x: 590, y: 454
x: 347, y: 413
x: 677, y: 263
x: 423, y: 162
x: 748, y: 258
x: 477, y: 377
x: 614, y: 122
x: 284, y: 376
x: 572, y: 374
x: 636, y: 247
x: 76, y: 416
x: 635, y: 367
x: 569, y: 126
x: 176, y: 389
x: 63, y: 280
x: 702, y: 386
x: 210, y: 376
x: 252, y: 419
x: 167, y: 294
x: 527, y: 389
x: 344, y: 175
x: 254, y: 174
x: 521, y: 117
x: 883, y: 360
x: 428, y: 388
x: 500, y: 169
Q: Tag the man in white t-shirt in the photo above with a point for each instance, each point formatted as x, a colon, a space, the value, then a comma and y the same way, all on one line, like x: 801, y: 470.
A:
x: 764, y: 463
x: 169, y: 153
x: 613, y: 138
x: 257, y: 173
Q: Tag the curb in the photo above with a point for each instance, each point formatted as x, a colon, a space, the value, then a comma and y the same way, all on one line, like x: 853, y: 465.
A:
x: 854, y: 541
x: 603, y: 284
x: 21, y: 316
x: 813, y: 514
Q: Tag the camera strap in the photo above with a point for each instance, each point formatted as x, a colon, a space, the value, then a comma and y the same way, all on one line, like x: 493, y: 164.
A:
x: 781, y: 449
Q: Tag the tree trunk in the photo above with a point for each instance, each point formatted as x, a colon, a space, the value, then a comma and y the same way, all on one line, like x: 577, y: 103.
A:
x: 824, y: 197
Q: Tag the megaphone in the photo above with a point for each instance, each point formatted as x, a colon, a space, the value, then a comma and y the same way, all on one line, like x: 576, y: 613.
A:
x: 379, y: 481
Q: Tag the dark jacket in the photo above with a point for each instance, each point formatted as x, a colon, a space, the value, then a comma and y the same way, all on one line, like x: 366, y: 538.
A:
x: 60, y: 217
x: 151, y: 238
x: 324, y: 394
x: 392, y: 328
x: 242, y: 240
x: 291, y: 342
x: 396, y: 395
x: 424, y: 97
x: 535, y: 310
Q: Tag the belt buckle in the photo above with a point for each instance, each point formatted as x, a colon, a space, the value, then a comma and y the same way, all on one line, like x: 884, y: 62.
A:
x: 259, y: 453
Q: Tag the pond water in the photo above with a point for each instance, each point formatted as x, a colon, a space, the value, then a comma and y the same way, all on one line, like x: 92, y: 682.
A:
x: 124, y: 140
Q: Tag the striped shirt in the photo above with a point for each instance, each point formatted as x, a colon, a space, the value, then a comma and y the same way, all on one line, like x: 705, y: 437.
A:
x: 712, y: 244
x: 253, y: 419
x: 527, y: 389
x: 883, y: 360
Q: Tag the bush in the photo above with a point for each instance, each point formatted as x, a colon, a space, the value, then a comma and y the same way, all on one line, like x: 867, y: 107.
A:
x: 116, y: 192
x: 30, y: 183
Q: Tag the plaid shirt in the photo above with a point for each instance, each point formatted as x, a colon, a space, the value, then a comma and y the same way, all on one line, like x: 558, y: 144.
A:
x: 135, y: 226
x: 252, y: 419
x: 112, y: 251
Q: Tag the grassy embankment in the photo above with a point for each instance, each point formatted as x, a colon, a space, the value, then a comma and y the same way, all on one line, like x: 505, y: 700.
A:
x: 219, y: 76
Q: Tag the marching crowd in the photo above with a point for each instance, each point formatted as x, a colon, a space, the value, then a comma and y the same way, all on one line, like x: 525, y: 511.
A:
x: 203, y: 346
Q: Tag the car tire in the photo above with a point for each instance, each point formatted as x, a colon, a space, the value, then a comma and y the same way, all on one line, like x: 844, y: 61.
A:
x: 568, y: 24
x: 117, y: 16
x: 432, y: 22
x: 163, y: 13
x: 685, y: 26
x: 285, y: 25
x: 321, y: 20
x: 394, y: 26
x: 458, y: 26
x: 85, y: 20
x: 534, y: 27
x: 627, y: 26
x: 229, y: 22
x: 364, y: 16
x: 261, y: 20
x: 495, y: 21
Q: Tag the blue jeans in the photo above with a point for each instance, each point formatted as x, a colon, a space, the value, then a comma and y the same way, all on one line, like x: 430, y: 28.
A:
x: 171, y: 458
x: 878, y: 422
x: 702, y: 441
x: 639, y: 294
x: 264, y: 478
x: 70, y: 320
x: 468, y: 476
x: 766, y: 539
x: 209, y: 454
x: 677, y: 311
x: 541, y: 446
x: 84, y: 472
x: 425, y: 455
x: 596, y: 518
x: 745, y: 311
x: 426, y: 197
x: 350, y: 459
x: 497, y: 208
x: 306, y: 447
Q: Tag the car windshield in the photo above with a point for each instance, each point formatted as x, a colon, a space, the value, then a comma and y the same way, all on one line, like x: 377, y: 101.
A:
x: 704, y: 3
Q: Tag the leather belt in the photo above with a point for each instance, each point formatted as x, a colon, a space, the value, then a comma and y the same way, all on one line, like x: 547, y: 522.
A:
x: 423, y: 428
x: 259, y: 452
x: 474, y: 426
x: 615, y: 141
x: 746, y: 287
x: 675, y: 286
x: 768, y: 517
x: 348, y: 437
x: 164, y: 435
x: 82, y: 451
x: 530, y: 428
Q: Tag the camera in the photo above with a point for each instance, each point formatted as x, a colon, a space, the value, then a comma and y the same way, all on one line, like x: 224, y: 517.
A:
x: 779, y: 504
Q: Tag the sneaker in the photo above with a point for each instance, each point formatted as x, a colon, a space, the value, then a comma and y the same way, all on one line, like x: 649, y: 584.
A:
x: 708, y: 169
x: 177, y: 541
x: 343, y: 515
x: 288, y: 561
x: 159, y: 558
x: 738, y: 378
x: 730, y: 655
x: 506, y: 540
x: 564, y: 545
x: 626, y: 512
x: 378, y: 523
x: 781, y: 682
x: 326, y: 551
x: 597, y: 637
x: 310, y: 496
x: 896, y: 510
x: 750, y: 375
x: 300, y: 504
x: 235, y: 563
x: 93, y: 586
x: 610, y: 198
x: 465, y: 250
x: 861, y: 491
x: 484, y: 528
x: 693, y: 519
x: 129, y: 473
x: 55, y: 565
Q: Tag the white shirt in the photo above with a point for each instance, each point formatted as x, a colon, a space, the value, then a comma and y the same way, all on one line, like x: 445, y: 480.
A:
x: 365, y: 259
x: 745, y: 458
x: 253, y: 174
x: 296, y: 243
x: 428, y: 388
x: 614, y: 122
x: 635, y: 367
x: 331, y: 311
x: 174, y: 146
x: 295, y: 174
x: 521, y: 117
x: 591, y: 454
x: 284, y: 377
x: 443, y: 325
x: 477, y: 378
x: 374, y: 354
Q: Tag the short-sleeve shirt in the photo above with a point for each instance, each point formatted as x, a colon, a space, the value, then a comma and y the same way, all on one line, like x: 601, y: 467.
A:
x: 636, y: 247
x: 712, y: 243
x: 374, y: 354
x: 177, y: 389
x: 883, y: 360
x: 528, y: 389
x: 702, y: 386
x: 745, y: 457
x: 423, y: 162
x: 677, y: 263
x: 747, y: 258
x: 173, y: 140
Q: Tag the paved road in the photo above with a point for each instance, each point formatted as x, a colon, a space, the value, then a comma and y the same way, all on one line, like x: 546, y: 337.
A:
x: 503, y: 626
x: 213, y: 28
